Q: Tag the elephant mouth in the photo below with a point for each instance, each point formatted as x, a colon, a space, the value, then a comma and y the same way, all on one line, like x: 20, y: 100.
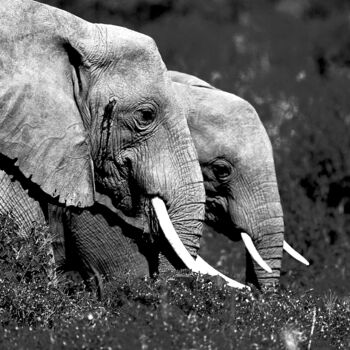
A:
x: 137, y: 221
x: 217, y: 215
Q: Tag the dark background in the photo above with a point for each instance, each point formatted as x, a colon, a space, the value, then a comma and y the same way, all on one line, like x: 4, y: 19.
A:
x: 290, y: 59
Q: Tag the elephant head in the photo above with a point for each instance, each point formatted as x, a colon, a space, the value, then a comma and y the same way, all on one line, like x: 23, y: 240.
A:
x: 84, y: 104
x: 235, y: 153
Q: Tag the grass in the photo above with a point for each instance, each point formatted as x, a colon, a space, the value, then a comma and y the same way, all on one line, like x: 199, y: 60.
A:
x: 181, y: 311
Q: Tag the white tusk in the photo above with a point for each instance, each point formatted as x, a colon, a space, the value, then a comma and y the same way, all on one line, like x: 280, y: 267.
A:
x: 205, y: 269
x: 294, y: 253
x: 254, y: 253
x: 171, y: 235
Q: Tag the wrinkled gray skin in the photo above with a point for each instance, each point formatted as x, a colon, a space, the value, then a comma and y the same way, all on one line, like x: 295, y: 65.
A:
x: 239, y: 174
x: 237, y: 163
x: 86, y: 104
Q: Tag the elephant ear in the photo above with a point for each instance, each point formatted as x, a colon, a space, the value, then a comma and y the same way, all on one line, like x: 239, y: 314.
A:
x: 188, y: 79
x: 41, y: 127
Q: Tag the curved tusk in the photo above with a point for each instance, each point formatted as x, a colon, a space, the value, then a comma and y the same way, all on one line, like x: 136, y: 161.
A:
x: 254, y: 253
x: 171, y: 235
x: 205, y: 269
x: 199, y: 265
x: 294, y: 253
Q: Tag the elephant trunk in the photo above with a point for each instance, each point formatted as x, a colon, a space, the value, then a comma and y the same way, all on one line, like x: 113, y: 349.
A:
x: 263, y: 223
x: 270, y: 247
x: 187, y: 220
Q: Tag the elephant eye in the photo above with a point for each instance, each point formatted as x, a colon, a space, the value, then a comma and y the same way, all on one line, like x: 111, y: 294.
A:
x: 221, y: 170
x: 144, y: 117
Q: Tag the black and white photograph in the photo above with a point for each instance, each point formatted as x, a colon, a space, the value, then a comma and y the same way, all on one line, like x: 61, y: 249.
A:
x: 175, y: 174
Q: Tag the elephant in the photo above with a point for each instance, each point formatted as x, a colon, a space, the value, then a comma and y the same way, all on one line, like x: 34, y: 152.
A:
x: 236, y: 158
x: 86, y: 109
x: 242, y: 198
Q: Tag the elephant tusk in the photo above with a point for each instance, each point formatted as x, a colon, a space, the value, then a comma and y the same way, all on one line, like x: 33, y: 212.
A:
x: 254, y: 253
x: 199, y: 265
x: 294, y: 253
x: 205, y: 269
x: 171, y: 235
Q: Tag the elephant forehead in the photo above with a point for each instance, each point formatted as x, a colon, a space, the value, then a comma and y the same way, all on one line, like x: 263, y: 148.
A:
x: 228, y: 127
x: 222, y: 114
x: 127, y: 49
x: 234, y: 148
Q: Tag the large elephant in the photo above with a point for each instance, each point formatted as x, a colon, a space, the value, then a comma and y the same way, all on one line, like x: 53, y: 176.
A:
x: 241, y: 190
x: 85, y: 104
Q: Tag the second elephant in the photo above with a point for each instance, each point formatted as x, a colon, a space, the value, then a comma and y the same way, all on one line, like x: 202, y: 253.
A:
x: 236, y: 158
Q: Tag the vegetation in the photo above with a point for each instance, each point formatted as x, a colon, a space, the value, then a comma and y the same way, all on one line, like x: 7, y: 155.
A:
x: 291, y: 60
x: 179, y: 312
